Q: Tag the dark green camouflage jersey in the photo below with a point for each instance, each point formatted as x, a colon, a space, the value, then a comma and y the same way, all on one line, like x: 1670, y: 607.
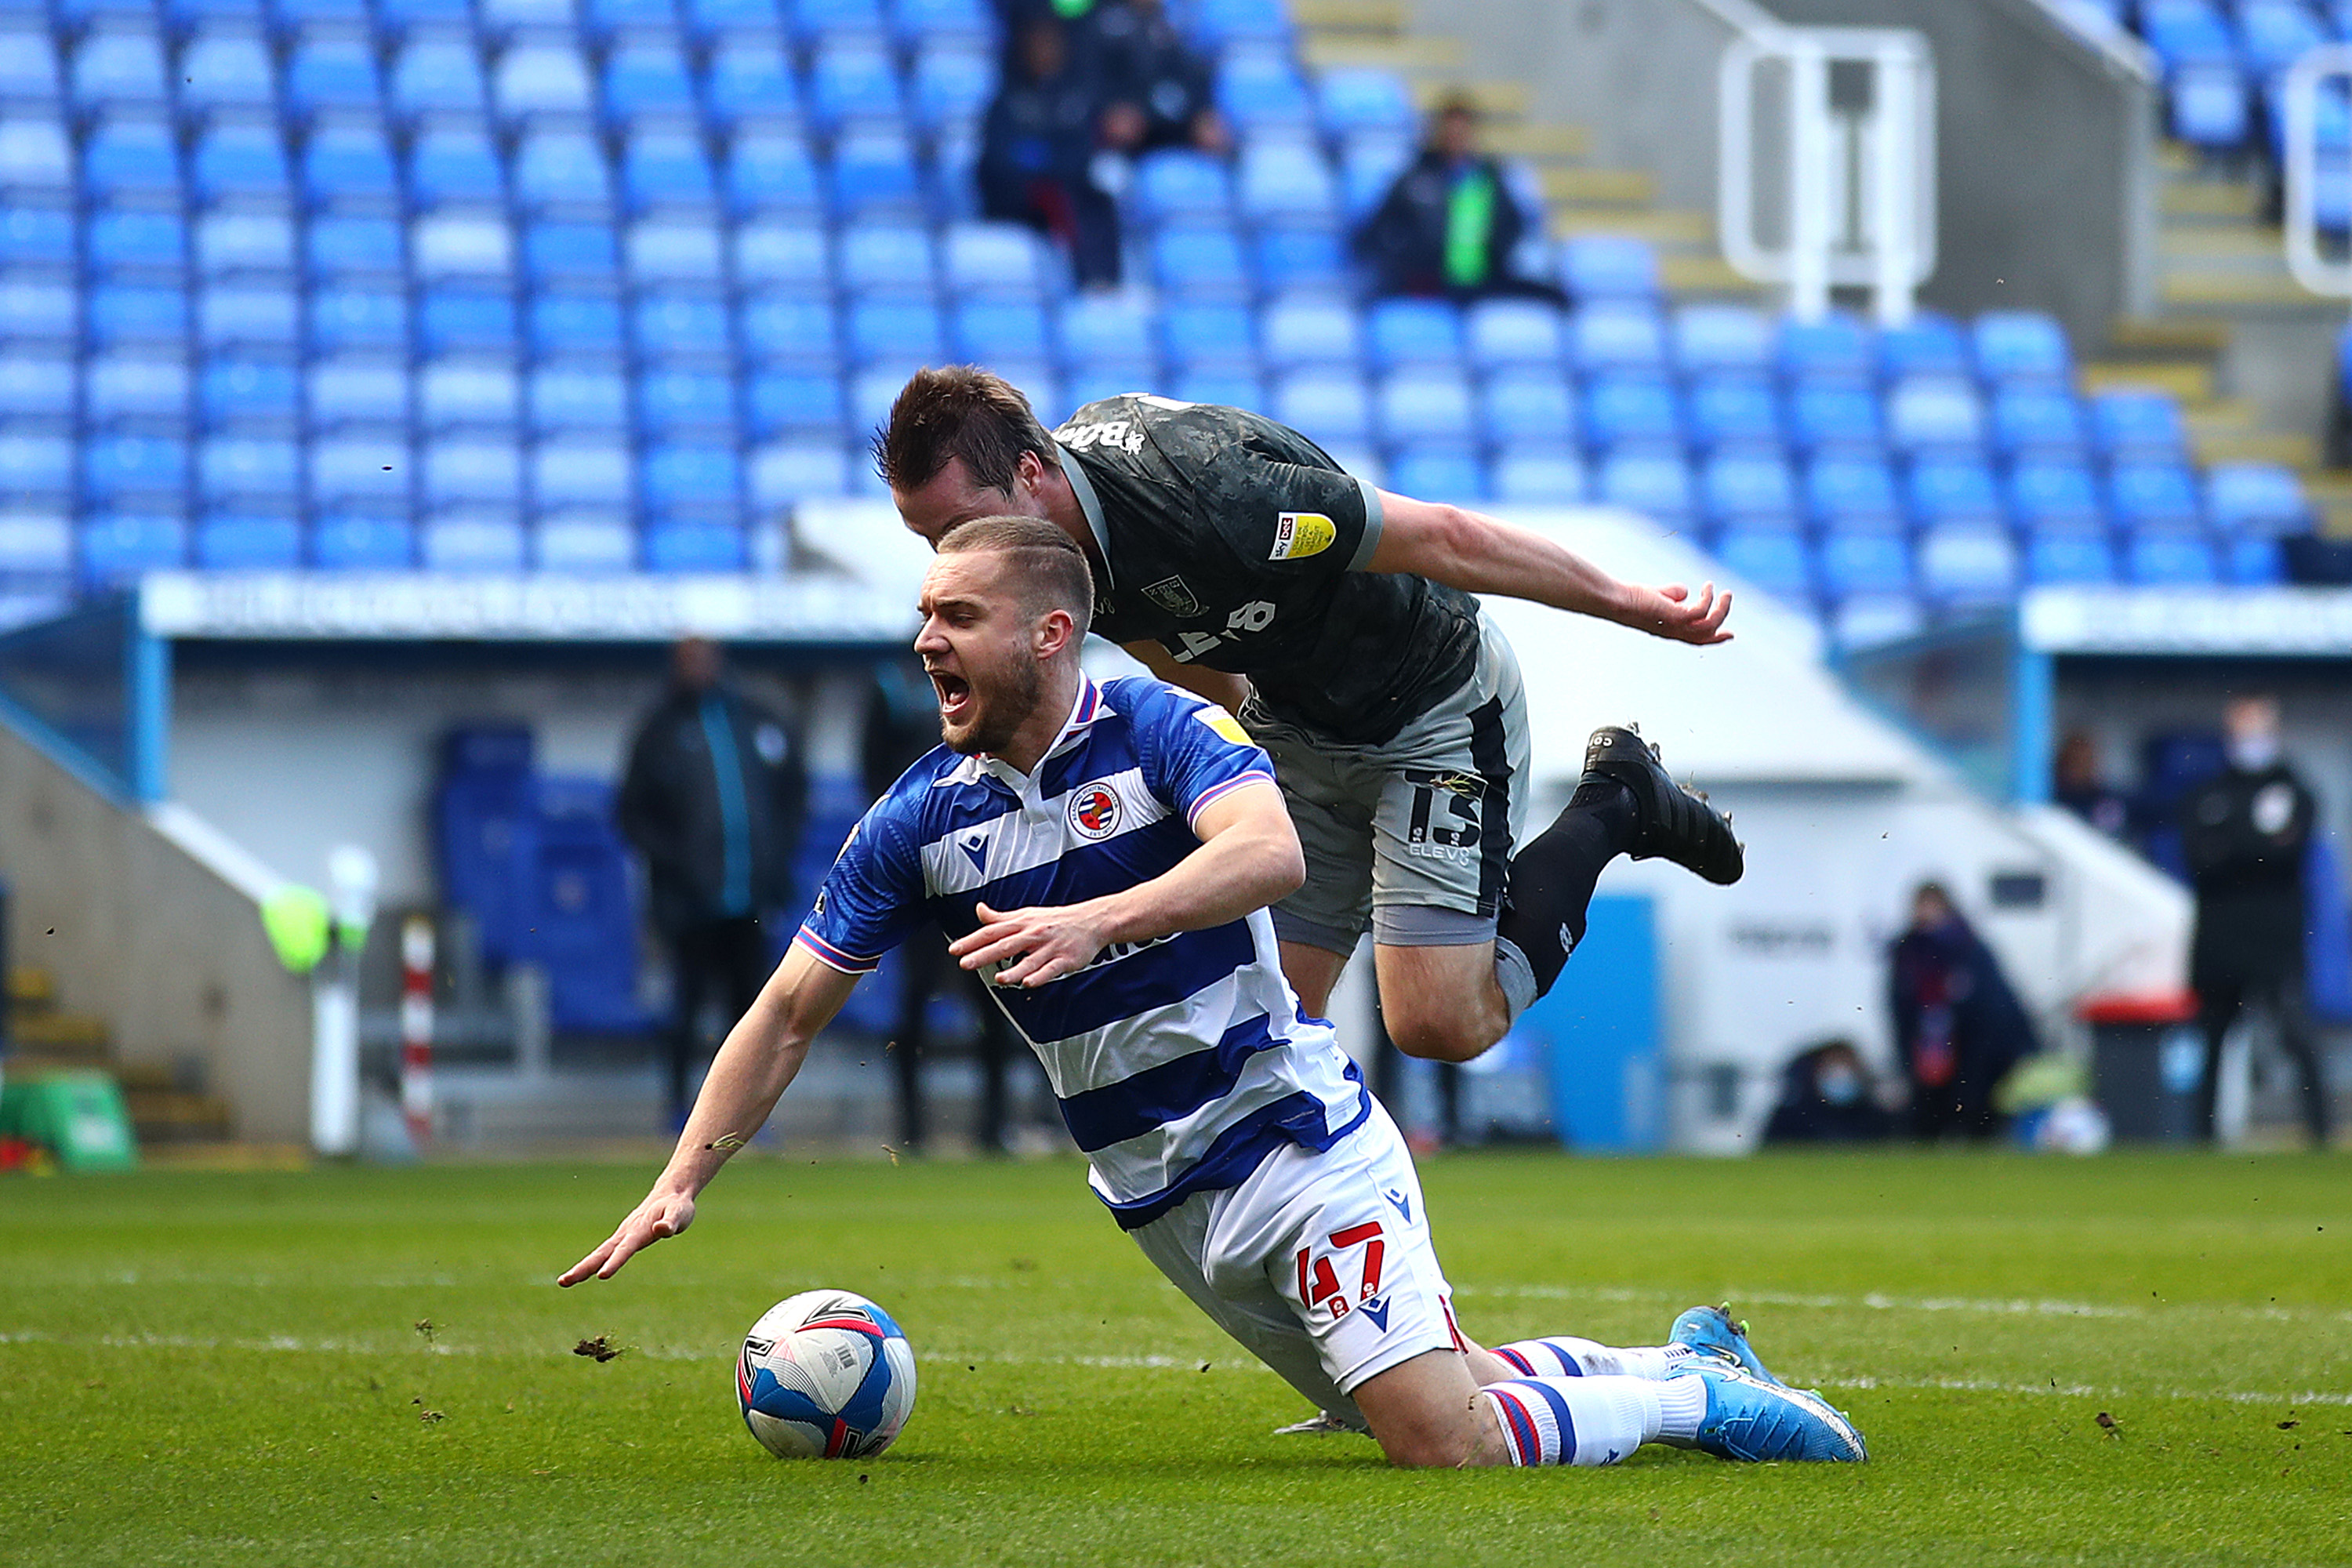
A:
x: 1240, y: 545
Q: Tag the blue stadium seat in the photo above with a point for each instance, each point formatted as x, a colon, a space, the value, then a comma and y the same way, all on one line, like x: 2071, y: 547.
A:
x: 1595, y: 267
x: 244, y: 469
x: 698, y: 546
x: 1326, y: 406
x: 1864, y: 557
x: 578, y: 395
x: 1286, y: 180
x: 792, y: 330
x: 681, y: 326
x: 2045, y: 491
x: 363, y: 542
x: 2022, y: 346
x: 1934, y: 414
x: 2273, y: 34
x: 897, y: 332
x: 1929, y: 344
x: 699, y: 479
x: 1181, y: 186
x: 2169, y: 557
x: 439, y: 75
x: 33, y: 464
x: 1617, y: 336
x: 38, y: 238
x: 671, y: 401
x: 997, y: 259
x: 563, y: 169
x: 136, y: 388
x: 136, y: 241
x: 621, y: 18
x: 1425, y: 407
x: 647, y: 76
x: 398, y: 16
x: 37, y: 310
x: 1500, y: 332
x: 582, y: 470
x: 461, y: 244
x: 468, y: 393
x: 1836, y: 348
x: 1448, y: 474
x: 372, y: 471
x: 248, y: 541
x: 1529, y: 412
x: 118, y: 465
x: 333, y: 72
x: 2181, y: 31
x: 1199, y: 336
x: 725, y: 18
x: 226, y: 70
x: 1944, y: 488
x: 2064, y: 552
x: 676, y: 251
x: 2256, y: 498
x: 854, y: 81
x: 448, y: 164
x: 1219, y: 23
x: 1200, y: 263
x: 137, y: 315
x: 969, y: 22
x: 234, y: 243
x: 1748, y: 485
x: 889, y: 259
x: 37, y: 386
x: 28, y: 63
x: 783, y: 254
x: 35, y: 157
x: 506, y: 19
x: 1260, y: 90
x: 473, y: 538
x: 1733, y: 412
x: 354, y: 248
x: 749, y: 80
x: 1538, y: 477
x: 2211, y: 105
x: 465, y: 320
x: 1965, y: 562
x: 247, y: 316
x: 583, y: 539
x: 1299, y: 333
x: 874, y: 173
x: 347, y: 164
x: 1868, y: 620
x: 1846, y: 488
x: 1709, y: 338
x: 2034, y: 419
x: 571, y: 253
x: 114, y: 66
x: 1363, y: 98
x: 666, y: 169
x: 1655, y: 483
x: 1639, y: 411
x: 789, y: 470
x: 795, y: 403
x: 541, y: 78
x: 119, y: 545
x: 1228, y: 387
x: 1370, y: 161
x: 1109, y: 330
x: 770, y: 173
x: 1425, y: 332
x: 952, y: 83
x: 2130, y: 426
x: 820, y: 20
x: 1770, y: 553
x: 2153, y: 494
x: 366, y: 391
x: 238, y: 393
x: 131, y: 158
x: 461, y: 470
x: 241, y: 163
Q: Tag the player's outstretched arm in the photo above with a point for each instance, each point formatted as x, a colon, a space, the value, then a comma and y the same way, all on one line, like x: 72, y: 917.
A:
x: 1228, y: 691
x: 763, y: 1053
x: 1248, y: 857
x: 1482, y: 554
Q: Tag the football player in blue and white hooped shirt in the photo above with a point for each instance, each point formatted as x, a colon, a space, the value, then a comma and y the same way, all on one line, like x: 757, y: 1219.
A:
x: 1106, y: 854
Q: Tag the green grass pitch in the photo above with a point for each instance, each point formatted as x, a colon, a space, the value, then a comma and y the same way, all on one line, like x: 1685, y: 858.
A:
x: 235, y: 1369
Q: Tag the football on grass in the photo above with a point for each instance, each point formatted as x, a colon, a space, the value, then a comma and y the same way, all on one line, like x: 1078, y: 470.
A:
x: 825, y: 1375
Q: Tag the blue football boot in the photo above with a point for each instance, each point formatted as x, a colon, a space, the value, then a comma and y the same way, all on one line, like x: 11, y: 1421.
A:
x: 1715, y: 1330
x: 1757, y: 1421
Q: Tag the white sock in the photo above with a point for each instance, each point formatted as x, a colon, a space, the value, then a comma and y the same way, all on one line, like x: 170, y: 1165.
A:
x: 1565, y: 1355
x: 1682, y: 1406
x: 1574, y: 1420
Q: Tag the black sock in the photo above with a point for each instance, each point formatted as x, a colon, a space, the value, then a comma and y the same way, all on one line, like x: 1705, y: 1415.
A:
x: 1553, y: 876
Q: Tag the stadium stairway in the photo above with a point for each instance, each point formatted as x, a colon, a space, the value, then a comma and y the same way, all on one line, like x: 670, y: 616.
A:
x: 165, y: 1109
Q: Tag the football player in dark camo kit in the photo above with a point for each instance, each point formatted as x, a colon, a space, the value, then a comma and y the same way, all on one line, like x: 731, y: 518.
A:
x: 1235, y: 557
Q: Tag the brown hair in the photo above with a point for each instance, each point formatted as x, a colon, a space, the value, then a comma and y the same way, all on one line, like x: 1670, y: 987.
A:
x: 958, y: 410
x: 1051, y: 569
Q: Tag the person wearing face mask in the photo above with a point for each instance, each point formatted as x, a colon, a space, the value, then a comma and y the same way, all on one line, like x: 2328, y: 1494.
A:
x: 1826, y: 1098
x: 2244, y: 835
x: 1958, y: 1026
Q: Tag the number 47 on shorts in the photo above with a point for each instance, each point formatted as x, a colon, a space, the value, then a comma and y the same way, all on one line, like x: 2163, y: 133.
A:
x: 1318, y: 1282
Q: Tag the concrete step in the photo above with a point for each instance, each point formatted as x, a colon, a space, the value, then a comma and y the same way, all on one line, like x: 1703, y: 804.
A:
x: 31, y: 987
x: 2189, y: 381
x: 1565, y: 188
x: 1711, y: 275
x: 1386, y: 18
x: 1659, y: 225
x: 61, y: 1059
x: 226, y: 1156
x: 173, y: 1116
x: 2171, y: 337
x: 1410, y: 55
x: 2295, y: 450
x: 1500, y: 104
x: 2210, y: 199
x: 2249, y: 244
x: 1538, y: 140
x: 2330, y: 490
x: 70, y: 1033
x: 2255, y: 290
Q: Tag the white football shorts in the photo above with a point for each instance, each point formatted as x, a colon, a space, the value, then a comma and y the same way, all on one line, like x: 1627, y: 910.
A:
x: 1319, y: 1265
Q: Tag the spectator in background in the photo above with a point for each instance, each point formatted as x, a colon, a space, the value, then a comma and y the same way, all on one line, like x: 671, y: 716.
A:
x: 902, y: 723
x: 1958, y: 1026
x: 2244, y: 835
x: 1828, y: 1096
x: 2079, y: 787
x: 715, y: 799
x: 1158, y: 90
x: 1036, y: 152
x: 1448, y: 225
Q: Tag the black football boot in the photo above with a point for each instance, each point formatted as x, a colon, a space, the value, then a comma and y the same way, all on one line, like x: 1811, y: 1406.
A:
x: 1673, y: 824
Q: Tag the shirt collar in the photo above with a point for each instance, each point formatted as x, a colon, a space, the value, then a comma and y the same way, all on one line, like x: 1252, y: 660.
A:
x: 1084, y: 708
x: 1091, y: 505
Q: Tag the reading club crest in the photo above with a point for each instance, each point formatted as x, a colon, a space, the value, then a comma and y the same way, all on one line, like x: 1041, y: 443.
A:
x: 1174, y: 595
x: 1094, y: 812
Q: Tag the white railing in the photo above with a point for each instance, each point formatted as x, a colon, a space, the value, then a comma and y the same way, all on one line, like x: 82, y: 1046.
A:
x: 2300, y: 91
x: 1859, y: 147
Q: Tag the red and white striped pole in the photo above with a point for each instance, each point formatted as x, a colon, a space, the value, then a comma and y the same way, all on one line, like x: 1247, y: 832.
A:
x: 416, y: 1027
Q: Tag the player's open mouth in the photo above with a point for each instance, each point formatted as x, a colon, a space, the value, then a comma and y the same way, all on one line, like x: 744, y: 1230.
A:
x: 955, y: 693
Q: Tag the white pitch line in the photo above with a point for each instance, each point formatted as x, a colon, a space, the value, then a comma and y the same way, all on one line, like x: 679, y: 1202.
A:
x: 1874, y: 1302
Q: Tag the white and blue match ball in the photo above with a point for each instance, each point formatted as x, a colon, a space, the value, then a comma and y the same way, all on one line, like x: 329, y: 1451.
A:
x: 825, y: 1375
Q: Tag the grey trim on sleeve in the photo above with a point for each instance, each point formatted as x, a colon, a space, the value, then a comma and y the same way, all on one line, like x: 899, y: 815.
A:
x: 1089, y: 503
x: 1371, y: 539
x: 1421, y: 925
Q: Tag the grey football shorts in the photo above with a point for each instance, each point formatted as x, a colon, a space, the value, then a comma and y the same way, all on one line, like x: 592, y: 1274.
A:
x: 1412, y: 837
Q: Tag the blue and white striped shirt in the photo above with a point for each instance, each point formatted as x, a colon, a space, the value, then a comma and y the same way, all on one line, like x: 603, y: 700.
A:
x: 1180, y: 1063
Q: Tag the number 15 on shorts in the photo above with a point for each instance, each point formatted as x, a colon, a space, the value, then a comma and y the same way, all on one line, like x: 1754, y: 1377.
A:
x: 1318, y: 1281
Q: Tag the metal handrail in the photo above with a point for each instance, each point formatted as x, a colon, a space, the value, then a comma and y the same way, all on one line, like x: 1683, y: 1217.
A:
x: 2299, y: 91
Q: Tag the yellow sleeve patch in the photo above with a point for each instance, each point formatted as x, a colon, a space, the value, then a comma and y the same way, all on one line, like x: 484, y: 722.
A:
x: 1224, y: 724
